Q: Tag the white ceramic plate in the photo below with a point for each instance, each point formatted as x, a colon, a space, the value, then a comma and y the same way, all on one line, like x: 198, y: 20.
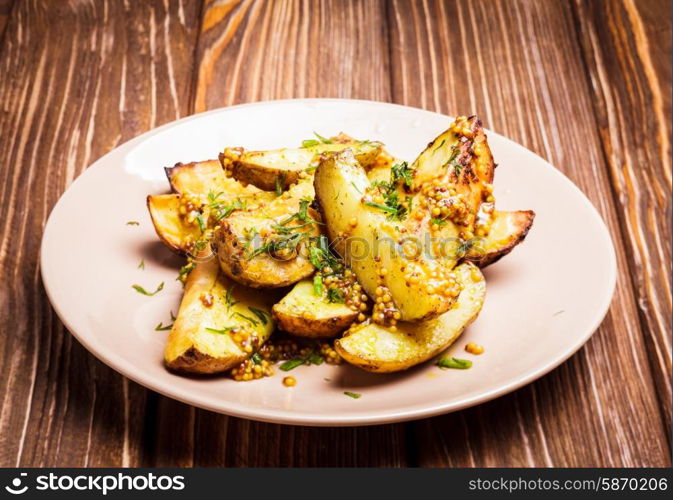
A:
x: 543, y: 301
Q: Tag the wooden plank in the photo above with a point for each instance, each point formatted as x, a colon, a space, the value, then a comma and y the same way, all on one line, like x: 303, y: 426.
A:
x: 71, y: 91
x: 250, y: 51
x: 627, y: 48
x: 518, y: 65
x: 5, y: 8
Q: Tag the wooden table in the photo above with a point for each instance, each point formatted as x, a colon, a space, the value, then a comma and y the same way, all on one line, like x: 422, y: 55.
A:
x: 585, y: 84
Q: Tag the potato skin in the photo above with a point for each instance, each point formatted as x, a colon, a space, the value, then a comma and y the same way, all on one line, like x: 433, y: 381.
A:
x: 193, y: 361
x: 203, y: 177
x: 508, y: 229
x: 283, y: 167
x: 303, y: 314
x: 263, y: 176
x: 376, y: 348
x: 191, y: 347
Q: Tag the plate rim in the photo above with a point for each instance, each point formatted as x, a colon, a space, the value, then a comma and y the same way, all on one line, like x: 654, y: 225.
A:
x: 288, y: 417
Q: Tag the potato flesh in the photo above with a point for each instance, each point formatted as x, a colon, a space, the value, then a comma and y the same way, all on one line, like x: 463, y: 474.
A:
x: 371, y: 245
x: 193, y: 348
x: 303, y: 313
x: 377, y: 348
x: 172, y: 231
x: 508, y: 229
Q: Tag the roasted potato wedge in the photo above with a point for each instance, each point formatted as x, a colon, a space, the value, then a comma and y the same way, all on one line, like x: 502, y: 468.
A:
x: 265, y: 248
x: 278, y: 169
x: 305, y: 314
x: 203, y: 177
x: 460, y: 159
x: 374, y: 246
x: 202, y: 189
x: 170, y: 226
x: 219, y: 325
x: 508, y: 229
x: 377, y: 348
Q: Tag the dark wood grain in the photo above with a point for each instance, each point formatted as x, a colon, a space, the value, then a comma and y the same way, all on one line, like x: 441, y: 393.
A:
x: 628, y: 58
x: 5, y: 8
x: 585, y: 84
x: 78, y: 79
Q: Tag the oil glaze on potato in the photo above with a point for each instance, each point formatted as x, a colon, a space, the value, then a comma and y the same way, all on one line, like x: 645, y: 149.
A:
x: 305, y: 314
x: 377, y: 348
x: 193, y: 346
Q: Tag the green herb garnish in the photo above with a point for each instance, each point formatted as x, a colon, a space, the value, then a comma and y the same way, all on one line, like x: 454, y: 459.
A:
x: 161, y: 327
x: 315, y: 359
x: 260, y: 314
x: 222, y: 331
x: 353, y: 395
x: 184, y: 271
x: 212, y: 198
x: 201, y: 244
x: 335, y: 295
x: 309, y: 143
x: 256, y: 358
x: 223, y: 211
x: 252, y: 321
x: 385, y: 208
x: 465, y: 246
x: 142, y: 264
x: 291, y: 364
x: 140, y: 289
x: 324, y: 140
x: 229, y: 297
x: 202, y: 224
x: 279, y: 184
x: 439, y: 222
x: 302, y: 214
x: 393, y: 206
x: 317, y: 285
x: 460, y: 364
x: 281, y: 242
x: 321, y: 256
x: 402, y: 172
x: 133, y: 223
x: 453, y: 160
